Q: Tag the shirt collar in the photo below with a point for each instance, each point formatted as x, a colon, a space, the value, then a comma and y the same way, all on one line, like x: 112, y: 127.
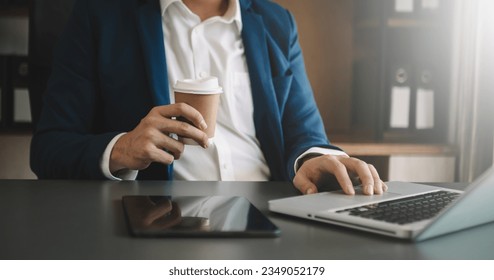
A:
x: 232, y: 14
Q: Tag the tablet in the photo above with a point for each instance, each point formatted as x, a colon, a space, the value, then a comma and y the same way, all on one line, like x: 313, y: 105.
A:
x: 195, y: 216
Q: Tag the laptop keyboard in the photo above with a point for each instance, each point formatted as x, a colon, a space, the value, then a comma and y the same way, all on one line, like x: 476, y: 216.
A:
x: 405, y: 210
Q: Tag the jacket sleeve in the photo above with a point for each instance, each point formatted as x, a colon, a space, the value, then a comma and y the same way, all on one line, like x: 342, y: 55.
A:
x: 302, y: 123
x: 67, y: 143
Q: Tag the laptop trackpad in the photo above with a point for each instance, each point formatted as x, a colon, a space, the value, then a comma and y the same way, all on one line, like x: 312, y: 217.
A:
x: 338, y: 197
x: 396, y: 189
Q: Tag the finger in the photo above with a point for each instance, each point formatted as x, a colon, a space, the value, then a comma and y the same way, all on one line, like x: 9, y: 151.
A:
x: 167, y: 126
x: 378, y: 188
x: 165, y: 142
x: 362, y: 170
x: 174, y: 218
x: 176, y: 213
x: 339, y: 170
x: 186, y: 130
x: 170, y: 145
x: 159, y: 209
x: 303, y: 184
x: 158, y: 155
x: 183, y: 110
x: 385, y: 187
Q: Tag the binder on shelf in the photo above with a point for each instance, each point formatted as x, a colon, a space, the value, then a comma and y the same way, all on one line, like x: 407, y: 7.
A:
x: 400, y: 107
x: 432, y: 10
x: 418, y: 6
x: 411, y: 68
x: 20, y: 95
x: 424, y: 115
x: 400, y: 97
x: 404, y: 6
x: 3, y: 88
x: 430, y: 5
x: 425, y: 97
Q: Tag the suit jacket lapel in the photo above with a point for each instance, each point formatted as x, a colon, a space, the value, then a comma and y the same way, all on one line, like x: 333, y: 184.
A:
x: 256, y: 51
x: 151, y: 35
x: 149, y: 22
x: 267, y: 117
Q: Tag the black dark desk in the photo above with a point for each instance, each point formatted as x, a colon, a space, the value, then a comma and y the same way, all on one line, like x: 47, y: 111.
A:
x: 85, y: 220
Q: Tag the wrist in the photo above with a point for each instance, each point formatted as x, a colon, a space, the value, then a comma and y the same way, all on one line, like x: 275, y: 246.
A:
x: 313, y: 153
x: 306, y: 158
x: 116, y: 162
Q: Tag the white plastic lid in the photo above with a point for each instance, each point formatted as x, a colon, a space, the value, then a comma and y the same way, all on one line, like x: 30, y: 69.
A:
x: 207, y: 85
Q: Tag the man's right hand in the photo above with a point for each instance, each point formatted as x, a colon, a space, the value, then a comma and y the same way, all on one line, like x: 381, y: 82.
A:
x: 151, y: 142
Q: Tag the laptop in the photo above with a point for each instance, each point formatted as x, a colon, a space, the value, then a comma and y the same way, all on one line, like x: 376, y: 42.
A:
x: 407, y: 210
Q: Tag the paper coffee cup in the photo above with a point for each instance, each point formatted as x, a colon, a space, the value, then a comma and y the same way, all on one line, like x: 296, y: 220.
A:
x: 202, y: 94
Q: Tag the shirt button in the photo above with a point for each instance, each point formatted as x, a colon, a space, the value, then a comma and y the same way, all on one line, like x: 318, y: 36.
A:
x: 203, y: 74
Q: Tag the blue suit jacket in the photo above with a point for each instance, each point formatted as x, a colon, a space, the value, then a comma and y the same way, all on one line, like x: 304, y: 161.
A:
x: 109, y: 70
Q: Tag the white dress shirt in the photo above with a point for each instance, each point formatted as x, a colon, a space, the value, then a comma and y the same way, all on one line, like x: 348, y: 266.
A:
x: 213, y: 47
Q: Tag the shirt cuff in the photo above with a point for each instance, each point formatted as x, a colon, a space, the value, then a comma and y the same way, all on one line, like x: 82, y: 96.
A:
x: 317, y: 152
x: 125, y: 174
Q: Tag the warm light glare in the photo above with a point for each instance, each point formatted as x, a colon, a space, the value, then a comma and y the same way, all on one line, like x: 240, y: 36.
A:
x: 487, y: 22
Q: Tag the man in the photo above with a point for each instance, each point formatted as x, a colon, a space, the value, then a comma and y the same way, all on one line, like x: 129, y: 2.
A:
x: 109, y: 110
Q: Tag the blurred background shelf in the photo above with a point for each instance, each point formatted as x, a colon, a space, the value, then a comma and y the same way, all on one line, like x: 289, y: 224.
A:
x: 390, y: 149
x: 14, y: 11
x: 407, y: 161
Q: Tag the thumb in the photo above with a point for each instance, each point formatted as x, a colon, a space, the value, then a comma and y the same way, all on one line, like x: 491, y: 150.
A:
x: 303, y: 184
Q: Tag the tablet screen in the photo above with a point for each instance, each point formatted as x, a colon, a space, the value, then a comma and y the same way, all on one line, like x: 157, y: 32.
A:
x: 182, y: 216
